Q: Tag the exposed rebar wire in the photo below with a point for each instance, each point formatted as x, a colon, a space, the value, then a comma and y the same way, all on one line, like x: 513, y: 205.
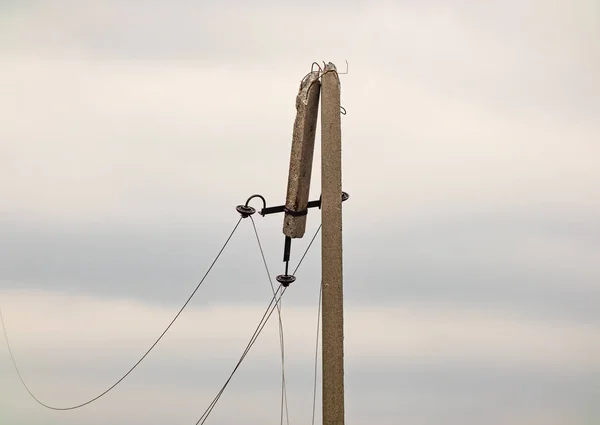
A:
x: 284, y: 402
x: 12, y: 357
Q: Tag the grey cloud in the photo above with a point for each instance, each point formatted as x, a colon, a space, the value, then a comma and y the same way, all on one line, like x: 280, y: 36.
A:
x: 152, y: 265
x: 470, y: 154
x: 182, y: 374
x: 481, y: 261
x: 497, y: 52
x: 423, y: 393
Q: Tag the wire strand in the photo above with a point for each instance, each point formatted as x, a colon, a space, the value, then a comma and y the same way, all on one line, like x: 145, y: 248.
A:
x: 307, y: 248
x: 261, y: 324
x: 284, y: 401
x: 314, y: 406
x: 137, y: 363
x: 257, y: 331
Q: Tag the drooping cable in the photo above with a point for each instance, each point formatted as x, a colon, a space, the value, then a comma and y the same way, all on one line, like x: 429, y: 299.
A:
x: 261, y: 324
x: 314, y: 406
x: 284, y: 403
x: 138, y: 362
x: 268, y: 312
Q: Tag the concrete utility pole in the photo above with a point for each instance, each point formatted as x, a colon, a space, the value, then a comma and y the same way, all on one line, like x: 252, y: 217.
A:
x: 296, y: 208
x: 331, y: 212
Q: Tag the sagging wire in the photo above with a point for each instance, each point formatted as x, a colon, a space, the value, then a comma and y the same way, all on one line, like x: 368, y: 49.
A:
x: 261, y: 324
x: 268, y: 312
x: 284, y: 401
x: 12, y: 357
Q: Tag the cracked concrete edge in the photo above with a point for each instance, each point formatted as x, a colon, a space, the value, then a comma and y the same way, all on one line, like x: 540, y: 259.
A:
x: 301, y: 157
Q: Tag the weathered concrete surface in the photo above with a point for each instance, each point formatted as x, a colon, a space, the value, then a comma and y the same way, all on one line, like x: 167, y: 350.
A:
x: 303, y: 146
x: 331, y: 210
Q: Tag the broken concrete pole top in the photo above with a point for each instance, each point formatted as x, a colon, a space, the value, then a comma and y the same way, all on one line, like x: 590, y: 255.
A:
x: 331, y: 68
x: 301, y: 158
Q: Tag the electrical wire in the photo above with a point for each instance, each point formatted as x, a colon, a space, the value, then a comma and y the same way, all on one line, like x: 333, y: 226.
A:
x: 261, y: 324
x: 318, y: 327
x: 284, y: 401
x: 138, y: 362
x: 307, y: 248
x: 314, y: 406
x: 257, y: 331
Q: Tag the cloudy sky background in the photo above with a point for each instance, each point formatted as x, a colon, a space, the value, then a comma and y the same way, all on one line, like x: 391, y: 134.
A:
x: 130, y: 130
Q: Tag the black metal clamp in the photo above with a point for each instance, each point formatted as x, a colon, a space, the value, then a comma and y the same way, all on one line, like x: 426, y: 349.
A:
x: 281, y: 208
x: 246, y: 210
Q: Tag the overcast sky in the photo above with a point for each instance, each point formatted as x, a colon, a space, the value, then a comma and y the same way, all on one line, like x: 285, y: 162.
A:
x: 129, y: 131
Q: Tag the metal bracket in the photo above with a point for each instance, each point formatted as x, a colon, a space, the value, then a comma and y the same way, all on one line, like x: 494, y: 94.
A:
x: 246, y: 211
x: 281, y: 208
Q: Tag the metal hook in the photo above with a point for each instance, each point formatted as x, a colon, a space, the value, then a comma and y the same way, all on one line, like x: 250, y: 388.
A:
x: 257, y: 196
x: 246, y: 210
x: 343, y: 110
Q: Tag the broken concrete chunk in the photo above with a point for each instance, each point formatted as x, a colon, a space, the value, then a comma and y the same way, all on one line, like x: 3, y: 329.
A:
x: 303, y: 144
